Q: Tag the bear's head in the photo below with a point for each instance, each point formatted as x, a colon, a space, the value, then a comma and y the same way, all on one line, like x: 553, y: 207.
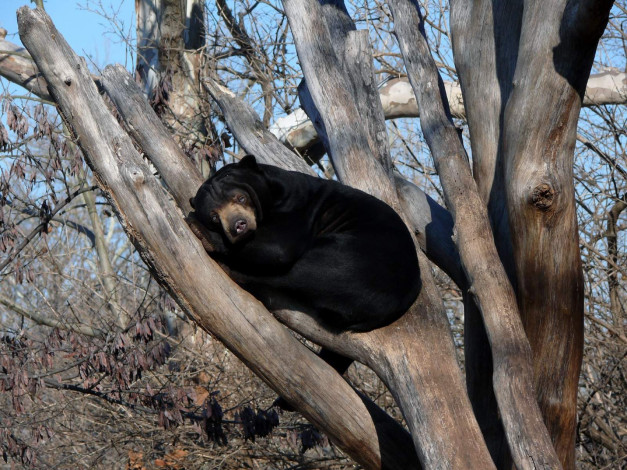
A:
x: 231, y: 201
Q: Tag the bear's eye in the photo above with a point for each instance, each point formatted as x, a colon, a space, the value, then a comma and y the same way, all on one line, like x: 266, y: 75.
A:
x: 241, y: 199
x: 214, y: 218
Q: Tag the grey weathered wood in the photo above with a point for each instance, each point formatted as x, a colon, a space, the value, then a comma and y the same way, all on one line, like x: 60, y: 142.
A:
x: 175, y: 168
x: 398, y: 100
x: 527, y: 436
x: 345, y: 128
x: 17, y: 66
x: 396, y: 95
x: 147, y: 19
x: 250, y: 132
x: 558, y: 41
x: 432, y: 225
x: 486, y: 90
x: 415, y: 356
x: 178, y: 54
x: 353, y: 50
x: 177, y: 260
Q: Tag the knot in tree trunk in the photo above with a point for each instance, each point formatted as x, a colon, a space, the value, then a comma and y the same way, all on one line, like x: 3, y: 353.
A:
x: 542, y: 197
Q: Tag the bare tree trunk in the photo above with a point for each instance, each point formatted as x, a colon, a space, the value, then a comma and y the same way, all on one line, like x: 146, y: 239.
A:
x: 330, y: 52
x: 558, y: 42
x: 509, y: 54
x: 16, y: 65
x: 527, y: 437
x: 148, y: 20
x: 170, y: 39
x: 485, y: 78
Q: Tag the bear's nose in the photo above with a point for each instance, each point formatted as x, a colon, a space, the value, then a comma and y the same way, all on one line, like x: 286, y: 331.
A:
x: 240, y: 225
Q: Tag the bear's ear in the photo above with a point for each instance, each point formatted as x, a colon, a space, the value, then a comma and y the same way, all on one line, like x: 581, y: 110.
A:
x: 191, y: 202
x: 249, y: 161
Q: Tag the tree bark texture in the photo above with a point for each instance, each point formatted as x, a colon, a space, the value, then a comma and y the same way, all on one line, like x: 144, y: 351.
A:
x: 178, y: 260
x: 179, y: 94
x: 483, y: 85
x: 17, y: 66
x: 526, y: 434
x: 148, y: 20
x: 508, y: 54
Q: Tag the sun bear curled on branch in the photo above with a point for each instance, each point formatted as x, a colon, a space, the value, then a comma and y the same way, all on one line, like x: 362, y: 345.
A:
x: 300, y: 242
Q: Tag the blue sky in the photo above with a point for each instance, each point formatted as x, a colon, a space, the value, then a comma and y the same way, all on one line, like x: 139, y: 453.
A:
x: 88, y: 32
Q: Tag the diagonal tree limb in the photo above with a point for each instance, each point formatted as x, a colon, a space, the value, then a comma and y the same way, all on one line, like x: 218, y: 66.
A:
x: 17, y: 66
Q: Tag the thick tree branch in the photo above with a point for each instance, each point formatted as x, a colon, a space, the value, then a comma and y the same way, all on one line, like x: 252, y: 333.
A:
x: 17, y: 66
x: 398, y: 100
x: 485, y: 58
x: 250, y: 132
x: 555, y: 56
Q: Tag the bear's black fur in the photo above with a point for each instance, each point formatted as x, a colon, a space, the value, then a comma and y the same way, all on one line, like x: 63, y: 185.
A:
x: 297, y: 241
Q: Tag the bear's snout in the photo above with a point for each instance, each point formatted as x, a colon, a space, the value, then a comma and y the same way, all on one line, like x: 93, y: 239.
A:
x: 240, y: 226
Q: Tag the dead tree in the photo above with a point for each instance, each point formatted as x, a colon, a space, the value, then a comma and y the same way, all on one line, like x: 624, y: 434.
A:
x: 510, y: 241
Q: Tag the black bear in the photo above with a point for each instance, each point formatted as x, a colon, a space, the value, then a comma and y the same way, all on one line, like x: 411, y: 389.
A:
x: 294, y: 240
